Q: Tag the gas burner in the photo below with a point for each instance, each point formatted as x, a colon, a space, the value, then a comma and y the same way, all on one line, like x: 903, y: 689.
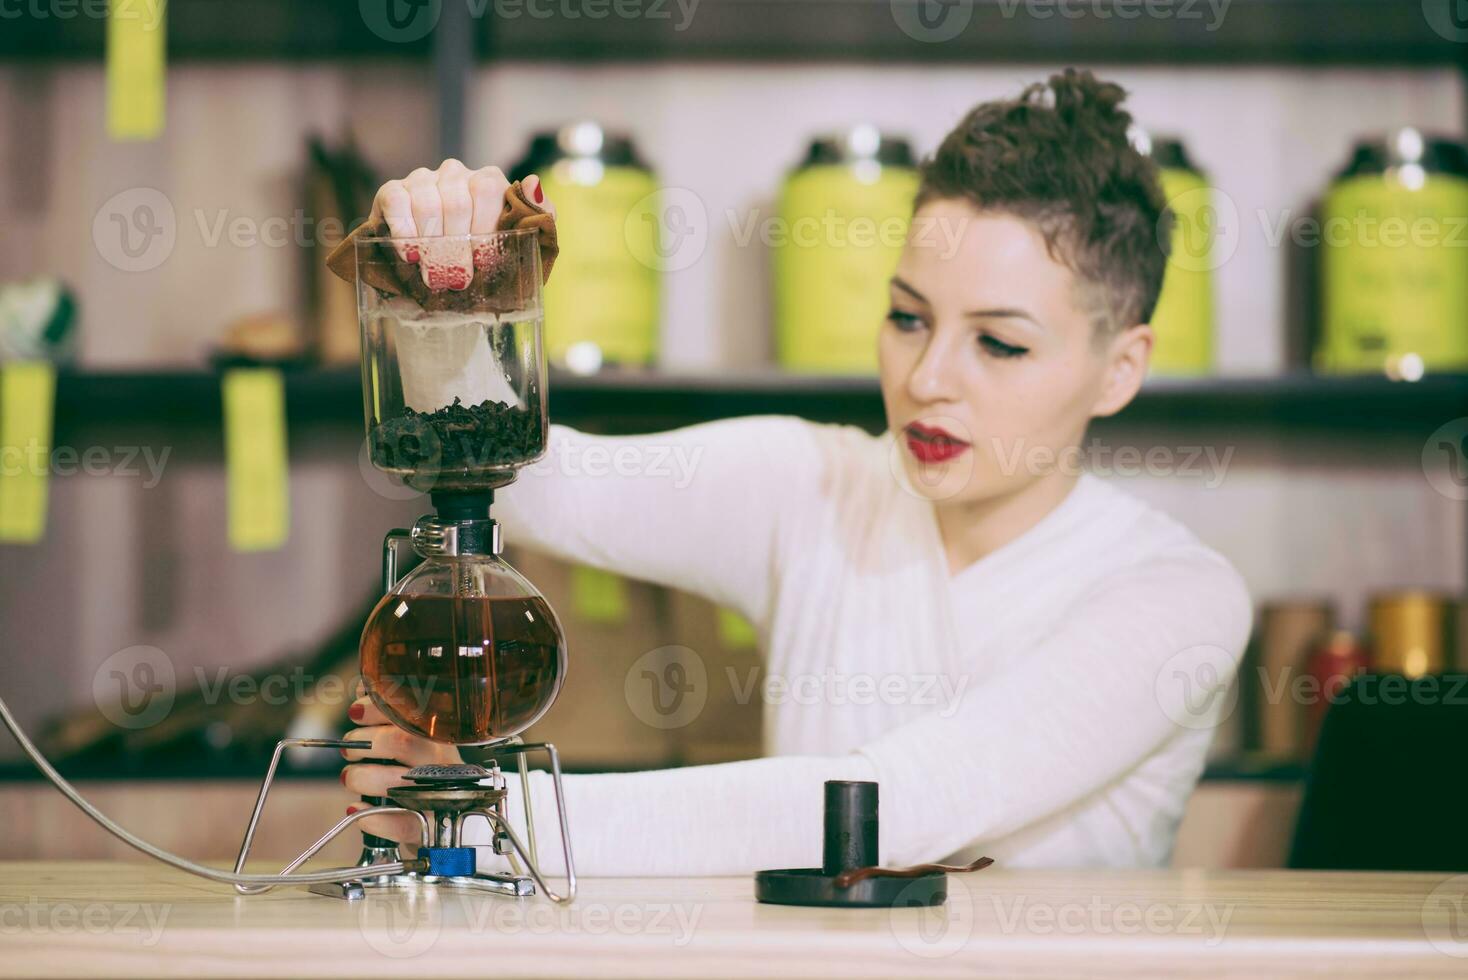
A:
x: 442, y: 799
x: 464, y: 772
x: 447, y: 797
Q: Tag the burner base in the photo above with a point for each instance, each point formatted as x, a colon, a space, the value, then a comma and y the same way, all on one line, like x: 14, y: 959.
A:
x: 514, y: 886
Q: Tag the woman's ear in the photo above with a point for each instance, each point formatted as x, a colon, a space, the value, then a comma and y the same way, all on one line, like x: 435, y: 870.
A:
x: 1127, y: 356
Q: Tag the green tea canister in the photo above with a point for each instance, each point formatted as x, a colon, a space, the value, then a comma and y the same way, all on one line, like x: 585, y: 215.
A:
x: 843, y: 216
x: 1183, y: 320
x: 1394, y: 259
x: 602, y: 305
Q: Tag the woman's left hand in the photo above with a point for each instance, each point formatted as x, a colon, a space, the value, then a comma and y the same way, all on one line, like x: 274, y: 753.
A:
x: 375, y: 778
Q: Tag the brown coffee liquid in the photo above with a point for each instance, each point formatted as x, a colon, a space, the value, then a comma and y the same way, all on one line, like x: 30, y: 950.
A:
x: 462, y: 670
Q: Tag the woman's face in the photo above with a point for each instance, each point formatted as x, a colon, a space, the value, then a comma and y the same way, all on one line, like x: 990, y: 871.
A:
x: 990, y: 371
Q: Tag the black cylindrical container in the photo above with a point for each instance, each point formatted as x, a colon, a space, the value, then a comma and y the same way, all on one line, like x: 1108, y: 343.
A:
x: 851, y: 826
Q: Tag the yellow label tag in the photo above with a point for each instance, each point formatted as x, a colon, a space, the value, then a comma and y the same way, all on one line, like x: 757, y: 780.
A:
x: 735, y: 632
x: 136, y: 67
x: 255, y: 453
x: 598, y: 596
x: 27, y: 408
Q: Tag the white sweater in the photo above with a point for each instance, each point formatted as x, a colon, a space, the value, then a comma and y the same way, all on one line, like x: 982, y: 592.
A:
x: 1050, y: 705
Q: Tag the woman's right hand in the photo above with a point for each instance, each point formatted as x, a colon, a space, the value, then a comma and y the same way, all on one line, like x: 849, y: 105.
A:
x: 439, y: 207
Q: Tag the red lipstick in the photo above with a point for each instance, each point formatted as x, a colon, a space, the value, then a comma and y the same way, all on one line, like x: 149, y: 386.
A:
x: 931, y: 444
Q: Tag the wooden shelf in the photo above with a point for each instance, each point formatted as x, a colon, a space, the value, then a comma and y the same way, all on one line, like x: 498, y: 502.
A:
x: 1250, y: 31
x: 252, y: 768
x: 220, y: 30
x: 641, y: 401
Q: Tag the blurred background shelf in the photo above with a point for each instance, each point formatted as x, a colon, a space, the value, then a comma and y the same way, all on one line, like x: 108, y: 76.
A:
x: 638, y: 401
x: 252, y: 767
x: 1253, y: 31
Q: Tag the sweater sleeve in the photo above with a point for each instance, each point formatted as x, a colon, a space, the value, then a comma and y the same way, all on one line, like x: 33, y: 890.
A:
x: 1140, y: 661
x: 696, y: 508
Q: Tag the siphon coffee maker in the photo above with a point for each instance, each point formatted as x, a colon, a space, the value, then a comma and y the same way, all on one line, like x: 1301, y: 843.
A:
x: 461, y: 649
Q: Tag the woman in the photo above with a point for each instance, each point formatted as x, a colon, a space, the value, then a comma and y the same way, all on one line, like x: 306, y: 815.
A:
x: 1027, y: 636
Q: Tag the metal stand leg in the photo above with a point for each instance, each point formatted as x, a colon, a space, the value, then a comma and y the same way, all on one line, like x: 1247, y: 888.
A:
x: 371, y: 856
x: 441, y: 825
x: 500, y: 825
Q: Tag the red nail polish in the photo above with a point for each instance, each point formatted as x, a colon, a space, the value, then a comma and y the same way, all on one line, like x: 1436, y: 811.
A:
x: 356, y: 711
x: 343, y: 752
x: 458, y: 279
x: 351, y: 810
x: 411, y: 253
x: 539, y: 194
x: 344, y: 777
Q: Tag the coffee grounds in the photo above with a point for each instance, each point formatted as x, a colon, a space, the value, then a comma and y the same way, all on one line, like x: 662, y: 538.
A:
x: 458, y: 438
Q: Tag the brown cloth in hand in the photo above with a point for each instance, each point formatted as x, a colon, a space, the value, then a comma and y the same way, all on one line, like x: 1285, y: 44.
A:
x: 496, y: 286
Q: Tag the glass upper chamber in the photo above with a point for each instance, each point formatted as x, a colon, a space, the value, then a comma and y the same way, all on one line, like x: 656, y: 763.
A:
x: 453, y: 380
x: 462, y: 649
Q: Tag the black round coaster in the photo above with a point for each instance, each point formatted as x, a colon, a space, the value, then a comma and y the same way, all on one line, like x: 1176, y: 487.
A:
x: 812, y: 886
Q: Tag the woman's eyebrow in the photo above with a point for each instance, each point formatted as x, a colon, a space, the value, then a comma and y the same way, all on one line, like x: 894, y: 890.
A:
x: 988, y: 314
x: 1003, y: 311
x: 902, y: 285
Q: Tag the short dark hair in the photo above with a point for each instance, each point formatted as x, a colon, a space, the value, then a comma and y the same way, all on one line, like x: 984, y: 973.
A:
x: 1060, y: 156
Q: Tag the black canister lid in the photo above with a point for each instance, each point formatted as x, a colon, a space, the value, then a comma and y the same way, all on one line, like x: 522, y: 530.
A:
x: 1407, y: 146
x: 583, y: 140
x: 1169, y: 153
x: 856, y: 144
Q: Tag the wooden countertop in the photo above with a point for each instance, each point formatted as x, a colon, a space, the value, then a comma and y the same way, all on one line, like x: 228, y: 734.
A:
x: 132, y: 919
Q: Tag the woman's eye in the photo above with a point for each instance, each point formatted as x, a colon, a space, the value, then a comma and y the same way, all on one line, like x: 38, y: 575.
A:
x: 904, y: 321
x: 999, y: 348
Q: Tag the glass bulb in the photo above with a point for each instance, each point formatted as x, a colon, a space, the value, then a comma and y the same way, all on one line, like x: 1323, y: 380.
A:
x: 463, y: 650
